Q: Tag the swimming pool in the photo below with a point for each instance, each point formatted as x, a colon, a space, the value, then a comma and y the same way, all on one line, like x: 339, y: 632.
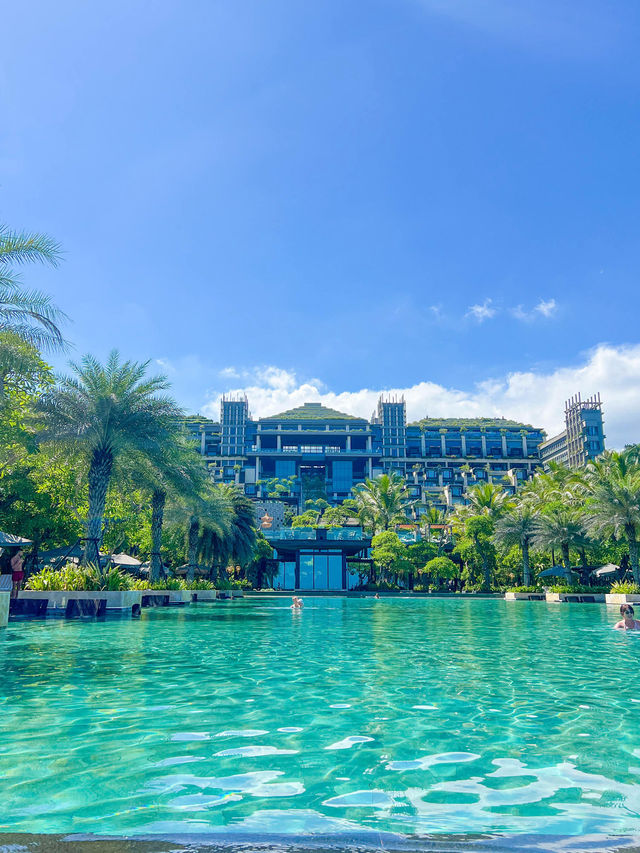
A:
x: 355, y: 716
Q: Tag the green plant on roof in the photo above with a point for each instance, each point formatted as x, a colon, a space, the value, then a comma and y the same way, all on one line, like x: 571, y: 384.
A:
x: 311, y: 412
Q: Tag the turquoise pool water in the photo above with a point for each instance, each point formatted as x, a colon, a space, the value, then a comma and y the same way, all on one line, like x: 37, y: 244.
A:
x: 355, y: 715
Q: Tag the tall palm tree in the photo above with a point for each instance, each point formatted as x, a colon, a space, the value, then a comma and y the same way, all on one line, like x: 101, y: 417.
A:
x: 383, y: 501
x: 102, y: 412
x: 613, y: 506
x: 176, y: 471
x: 518, y: 526
x: 30, y: 314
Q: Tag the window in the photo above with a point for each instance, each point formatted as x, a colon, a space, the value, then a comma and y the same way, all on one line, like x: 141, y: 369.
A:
x: 306, y: 571
x: 285, y: 468
x: 342, y: 476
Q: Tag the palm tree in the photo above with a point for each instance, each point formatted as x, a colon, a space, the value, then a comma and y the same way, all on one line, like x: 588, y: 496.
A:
x: 485, y: 499
x: 28, y: 313
x: 518, y: 526
x: 177, y: 471
x: 208, y: 517
x: 613, y: 506
x: 560, y: 527
x: 383, y: 501
x: 243, y: 523
x: 102, y: 412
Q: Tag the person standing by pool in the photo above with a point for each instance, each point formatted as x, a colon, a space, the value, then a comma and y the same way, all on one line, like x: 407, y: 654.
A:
x: 17, y: 573
x: 628, y: 622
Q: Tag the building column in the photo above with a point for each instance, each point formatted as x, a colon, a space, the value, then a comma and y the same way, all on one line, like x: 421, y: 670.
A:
x: 443, y: 444
x: 348, y: 444
x: 370, y: 463
x: 369, y: 448
x: 463, y: 441
x: 504, y: 445
x: 279, y: 442
x: 525, y: 451
x: 258, y: 442
x: 483, y: 438
x: 423, y: 445
x: 203, y: 442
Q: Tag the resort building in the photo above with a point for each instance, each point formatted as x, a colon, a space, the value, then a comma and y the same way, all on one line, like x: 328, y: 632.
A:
x: 582, y: 438
x: 312, y: 452
x: 319, y: 558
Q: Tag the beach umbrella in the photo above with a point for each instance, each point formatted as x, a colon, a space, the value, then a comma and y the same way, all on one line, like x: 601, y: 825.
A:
x: 70, y: 552
x: 8, y: 540
x: 609, y: 569
x: 125, y: 561
x: 556, y: 572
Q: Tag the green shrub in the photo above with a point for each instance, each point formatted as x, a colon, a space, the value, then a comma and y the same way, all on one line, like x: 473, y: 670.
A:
x: 168, y: 583
x: 80, y: 579
x: 523, y: 589
x: 200, y: 585
x: 625, y: 587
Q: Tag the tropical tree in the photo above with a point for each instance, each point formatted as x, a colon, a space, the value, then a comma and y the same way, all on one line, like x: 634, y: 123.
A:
x: 207, y: 518
x: 485, y: 499
x: 382, y: 502
x: 442, y: 568
x: 30, y: 314
x: 613, y: 505
x: 475, y: 522
x: 390, y: 554
x: 560, y: 527
x: 101, y: 412
x: 243, y: 523
x: 174, y: 470
x: 518, y: 526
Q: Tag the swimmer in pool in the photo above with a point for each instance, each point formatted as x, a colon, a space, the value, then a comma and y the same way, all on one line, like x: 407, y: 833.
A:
x: 296, y: 602
x: 628, y: 621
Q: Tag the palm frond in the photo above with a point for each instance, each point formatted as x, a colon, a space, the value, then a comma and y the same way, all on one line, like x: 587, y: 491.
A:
x: 24, y: 247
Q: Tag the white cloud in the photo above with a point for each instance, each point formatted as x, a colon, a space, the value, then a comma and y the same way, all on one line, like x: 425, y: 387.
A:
x: 546, y: 308
x: 532, y: 396
x: 483, y: 311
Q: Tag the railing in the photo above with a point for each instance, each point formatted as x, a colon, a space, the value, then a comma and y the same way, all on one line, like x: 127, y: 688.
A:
x: 333, y: 534
x: 344, y: 533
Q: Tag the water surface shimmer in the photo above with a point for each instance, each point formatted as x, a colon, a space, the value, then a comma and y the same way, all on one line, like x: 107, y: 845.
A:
x: 356, y: 718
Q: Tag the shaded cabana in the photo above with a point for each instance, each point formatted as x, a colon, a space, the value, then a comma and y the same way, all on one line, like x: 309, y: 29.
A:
x: 557, y: 572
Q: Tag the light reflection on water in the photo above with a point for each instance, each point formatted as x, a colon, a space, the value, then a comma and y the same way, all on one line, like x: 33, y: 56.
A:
x: 408, y: 717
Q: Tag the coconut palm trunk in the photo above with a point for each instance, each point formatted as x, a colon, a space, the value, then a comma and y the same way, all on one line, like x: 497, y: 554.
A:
x: 486, y: 571
x: 192, y: 547
x: 158, y: 501
x: 526, y: 563
x: 633, y: 552
x: 100, y: 472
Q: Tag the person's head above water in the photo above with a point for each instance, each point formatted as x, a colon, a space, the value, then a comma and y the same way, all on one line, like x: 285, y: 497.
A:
x: 626, y: 610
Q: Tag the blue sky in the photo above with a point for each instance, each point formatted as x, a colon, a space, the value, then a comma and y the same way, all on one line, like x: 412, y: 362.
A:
x: 320, y: 199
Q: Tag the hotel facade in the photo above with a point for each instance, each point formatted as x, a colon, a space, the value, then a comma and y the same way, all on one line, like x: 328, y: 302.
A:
x: 312, y: 451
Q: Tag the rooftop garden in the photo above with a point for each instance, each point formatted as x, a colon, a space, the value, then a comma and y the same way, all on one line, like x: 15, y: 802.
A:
x: 312, y: 412
x: 470, y: 423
